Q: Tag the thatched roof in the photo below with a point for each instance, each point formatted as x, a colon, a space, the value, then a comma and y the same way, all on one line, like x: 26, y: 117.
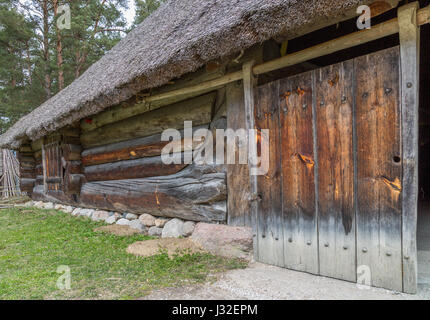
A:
x: 180, y: 37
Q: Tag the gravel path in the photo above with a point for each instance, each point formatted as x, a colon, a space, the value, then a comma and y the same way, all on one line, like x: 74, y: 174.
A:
x: 261, y: 281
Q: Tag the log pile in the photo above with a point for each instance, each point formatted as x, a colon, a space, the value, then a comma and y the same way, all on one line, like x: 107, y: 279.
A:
x: 10, y: 175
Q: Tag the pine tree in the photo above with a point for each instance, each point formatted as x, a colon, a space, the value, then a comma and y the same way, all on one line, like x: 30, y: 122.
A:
x: 144, y: 8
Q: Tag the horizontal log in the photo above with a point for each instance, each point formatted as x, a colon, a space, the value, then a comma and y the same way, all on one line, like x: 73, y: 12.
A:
x: 197, y: 110
x: 27, y: 174
x: 133, y: 149
x: 27, y: 185
x: 134, y: 106
x: 54, y: 180
x: 196, y: 193
x: 131, y: 169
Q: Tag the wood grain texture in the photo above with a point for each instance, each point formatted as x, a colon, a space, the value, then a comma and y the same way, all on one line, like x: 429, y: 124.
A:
x: 298, y: 170
x: 197, y: 110
x: 134, y: 149
x: 238, y: 184
x: 137, y: 105
x: 269, y: 189
x: 196, y: 193
x: 131, y: 169
x: 379, y: 174
x: 409, y: 51
x: 336, y: 216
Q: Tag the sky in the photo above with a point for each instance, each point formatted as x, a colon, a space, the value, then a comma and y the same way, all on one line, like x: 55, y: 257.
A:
x: 129, y: 14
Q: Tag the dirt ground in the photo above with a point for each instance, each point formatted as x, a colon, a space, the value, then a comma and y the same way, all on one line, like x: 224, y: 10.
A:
x: 261, y: 281
x: 171, y: 245
x: 119, y: 230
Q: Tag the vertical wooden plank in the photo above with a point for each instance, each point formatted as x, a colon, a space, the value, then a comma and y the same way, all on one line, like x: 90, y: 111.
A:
x: 238, y: 183
x: 270, y: 227
x: 249, y: 83
x: 409, y: 33
x: 379, y: 171
x: 336, y: 216
x: 298, y: 165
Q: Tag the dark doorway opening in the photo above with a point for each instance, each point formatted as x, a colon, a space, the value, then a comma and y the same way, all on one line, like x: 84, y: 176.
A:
x: 423, y: 223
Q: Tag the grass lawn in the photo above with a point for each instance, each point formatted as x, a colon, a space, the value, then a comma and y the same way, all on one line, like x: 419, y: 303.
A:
x: 34, y: 243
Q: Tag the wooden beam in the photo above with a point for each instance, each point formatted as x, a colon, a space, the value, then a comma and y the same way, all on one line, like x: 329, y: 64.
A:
x: 249, y: 83
x: 131, y: 169
x: 379, y: 31
x: 139, y: 104
x: 409, y: 33
x: 197, y: 110
x: 134, y: 149
x: 238, y: 189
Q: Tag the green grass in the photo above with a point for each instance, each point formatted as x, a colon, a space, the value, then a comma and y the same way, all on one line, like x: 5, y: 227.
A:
x: 34, y: 243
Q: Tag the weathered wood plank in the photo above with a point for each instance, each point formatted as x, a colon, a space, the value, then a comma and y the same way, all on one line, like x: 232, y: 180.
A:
x: 336, y: 216
x: 409, y: 33
x: 131, y: 169
x: 298, y: 180
x: 197, y: 110
x: 379, y: 171
x: 196, y: 193
x: 238, y: 184
x: 134, y: 149
x: 270, y: 217
x: 138, y: 105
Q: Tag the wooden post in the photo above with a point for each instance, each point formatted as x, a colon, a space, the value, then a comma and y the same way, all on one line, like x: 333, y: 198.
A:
x: 249, y: 82
x: 409, y: 33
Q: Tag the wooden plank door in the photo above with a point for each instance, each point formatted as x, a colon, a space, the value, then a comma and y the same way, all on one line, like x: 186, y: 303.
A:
x: 298, y: 169
x: 379, y: 168
x: 336, y: 216
x: 333, y: 192
x: 270, y: 236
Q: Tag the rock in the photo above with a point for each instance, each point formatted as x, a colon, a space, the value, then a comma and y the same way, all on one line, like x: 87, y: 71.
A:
x: 58, y: 206
x: 68, y: 209
x: 173, y: 229
x: 29, y: 204
x: 48, y: 205
x: 86, y: 212
x: 155, y: 231
x: 100, y: 215
x: 223, y: 240
x: 76, y: 212
x: 160, y: 222
x: 188, y: 228
x: 39, y: 204
x: 147, y: 220
x: 131, y: 216
x: 111, y: 220
x: 123, y: 222
x: 136, y: 224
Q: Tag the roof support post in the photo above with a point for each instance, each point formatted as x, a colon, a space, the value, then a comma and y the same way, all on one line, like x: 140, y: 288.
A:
x: 409, y: 33
x: 249, y: 82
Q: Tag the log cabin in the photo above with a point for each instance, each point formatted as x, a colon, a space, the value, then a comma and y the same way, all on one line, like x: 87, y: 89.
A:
x: 341, y: 195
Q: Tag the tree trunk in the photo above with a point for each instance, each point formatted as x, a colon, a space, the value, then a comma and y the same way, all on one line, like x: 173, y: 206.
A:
x: 59, y: 51
x: 47, y: 68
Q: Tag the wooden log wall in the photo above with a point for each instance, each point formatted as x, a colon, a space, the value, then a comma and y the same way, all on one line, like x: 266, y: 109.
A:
x: 70, y: 163
x: 27, y: 172
x: 195, y: 193
x: 197, y: 110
